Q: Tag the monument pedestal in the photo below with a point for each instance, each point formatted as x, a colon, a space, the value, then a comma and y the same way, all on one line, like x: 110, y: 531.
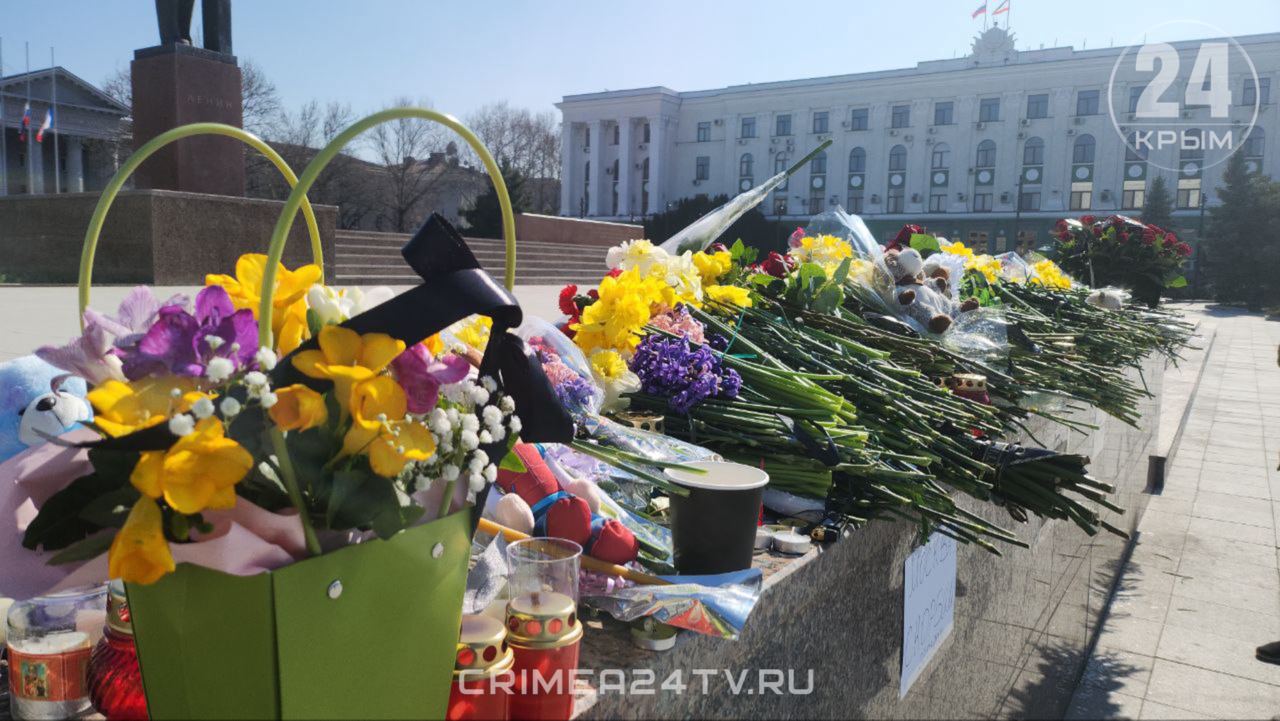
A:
x: 178, y: 84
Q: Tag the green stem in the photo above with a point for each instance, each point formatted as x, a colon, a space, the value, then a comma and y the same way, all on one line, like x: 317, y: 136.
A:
x: 446, y: 501
x: 290, y: 480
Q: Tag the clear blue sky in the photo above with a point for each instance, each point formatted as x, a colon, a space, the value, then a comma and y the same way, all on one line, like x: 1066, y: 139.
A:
x: 464, y: 54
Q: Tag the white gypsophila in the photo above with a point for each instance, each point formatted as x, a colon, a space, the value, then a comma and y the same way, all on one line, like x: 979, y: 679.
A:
x: 202, y: 408
x: 455, y: 392
x: 498, y: 433
x: 507, y: 404
x: 450, y: 472
x: 469, y: 440
x: 489, y: 383
x: 255, y: 379
x: 486, y: 437
x: 491, y: 473
x: 266, y: 358
x: 438, y: 422
x: 229, y: 407
x: 219, y: 369
x: 479, y: 396
x: 475, y: 482
x: 268, y: 399
x: 479, y: 460
x: 214, y: 341
x: 182, y: 425
x: 514, y: 424
x: 421, y: 483
x: 453, y: 415
x: 470, y: 422
x: 491, y: 415
x: 445, y: 444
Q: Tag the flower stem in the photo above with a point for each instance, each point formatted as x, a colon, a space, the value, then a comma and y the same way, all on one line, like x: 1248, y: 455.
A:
x: 290, y: 481
x: 446, y: 501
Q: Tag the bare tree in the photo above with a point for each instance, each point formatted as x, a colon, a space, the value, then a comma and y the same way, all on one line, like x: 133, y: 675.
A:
x: 402, y: 148
x: 527, y: 142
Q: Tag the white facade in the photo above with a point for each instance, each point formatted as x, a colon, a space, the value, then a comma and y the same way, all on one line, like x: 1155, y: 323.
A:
x: 959, y: 149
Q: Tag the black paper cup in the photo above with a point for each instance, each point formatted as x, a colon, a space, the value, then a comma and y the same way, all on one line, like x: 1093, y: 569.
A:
x: 713, y: 529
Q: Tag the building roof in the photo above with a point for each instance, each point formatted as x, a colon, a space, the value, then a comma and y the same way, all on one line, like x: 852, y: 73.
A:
x: 102, y: 101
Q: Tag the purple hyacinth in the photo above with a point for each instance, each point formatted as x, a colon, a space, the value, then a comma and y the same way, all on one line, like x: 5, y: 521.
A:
x: 181, y: 343
x: 685, y: 375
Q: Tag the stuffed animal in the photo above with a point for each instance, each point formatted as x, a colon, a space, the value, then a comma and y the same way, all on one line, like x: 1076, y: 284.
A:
x: 940, y: 268
x: 37, y: 400
x: 923, y: 303
x: 536, y: 503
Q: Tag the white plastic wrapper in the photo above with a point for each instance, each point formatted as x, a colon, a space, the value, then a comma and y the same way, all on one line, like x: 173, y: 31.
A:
x: 845, y: 226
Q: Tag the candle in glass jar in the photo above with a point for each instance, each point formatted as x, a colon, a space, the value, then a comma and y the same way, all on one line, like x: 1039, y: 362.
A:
x: 49, y: 642
x: 544, y: 632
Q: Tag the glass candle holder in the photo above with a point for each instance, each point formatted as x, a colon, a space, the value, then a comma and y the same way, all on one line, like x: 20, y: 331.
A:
x: 49, y: 641
x: 115, y: 679
x: 483, y: 656
x: 542, y: 626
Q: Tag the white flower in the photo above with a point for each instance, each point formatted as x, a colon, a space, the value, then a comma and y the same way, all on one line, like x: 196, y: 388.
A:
x: 438, y: 422
x: 215, y: 342
x: 219, y: 369
x: 445, y: 444
x: 421, y: 483
x: 229, y: 407
x: 266, y: 358
x: 470, y: 441
x: 449, y: 472
x: 182, y: 424
x: 491, y: 473
x: 489, y: 383
x: 492, y: 416
x: 455, y: 392
x: 479, y: 396
x: 268, y: 399
x: 486, y: 437
x: 476, y: 482
x: 498, y: 433
x: 479, y: 460
x: 515, y: 424
x: 202, y: 408
x: 454, y: 416
x: 255, y: 379
x: 507, y: 404
x: 470, y: 422
x: 640, y: 254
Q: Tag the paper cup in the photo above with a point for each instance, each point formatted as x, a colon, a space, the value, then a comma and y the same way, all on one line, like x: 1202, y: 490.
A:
x: 713, y: 529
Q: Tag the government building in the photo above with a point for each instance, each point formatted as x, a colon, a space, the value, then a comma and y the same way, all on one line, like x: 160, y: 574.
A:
x: 991, y: 148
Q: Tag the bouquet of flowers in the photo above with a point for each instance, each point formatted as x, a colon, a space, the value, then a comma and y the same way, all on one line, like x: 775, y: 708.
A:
x: 1124, y: 252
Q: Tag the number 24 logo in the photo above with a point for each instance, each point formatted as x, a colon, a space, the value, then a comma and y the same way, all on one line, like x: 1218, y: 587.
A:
x: 1208, y: 84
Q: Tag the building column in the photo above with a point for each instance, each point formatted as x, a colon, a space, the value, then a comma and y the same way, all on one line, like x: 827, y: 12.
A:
x: 657, y: 158
x: 566, y: 169
x: 596, y: 188
x: 75, y: 164
x: 624, y: 166
x: 35, y: 163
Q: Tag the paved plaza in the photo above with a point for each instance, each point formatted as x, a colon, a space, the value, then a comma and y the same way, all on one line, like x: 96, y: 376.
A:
x: 1202, y: 588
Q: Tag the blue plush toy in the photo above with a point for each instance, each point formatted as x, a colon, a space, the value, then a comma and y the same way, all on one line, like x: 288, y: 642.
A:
x: 37, y: 400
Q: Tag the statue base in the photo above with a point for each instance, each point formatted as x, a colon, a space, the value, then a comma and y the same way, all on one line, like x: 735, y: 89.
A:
x: 176, y: 85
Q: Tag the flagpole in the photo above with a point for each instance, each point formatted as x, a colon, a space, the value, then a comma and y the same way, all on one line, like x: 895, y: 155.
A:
x: 53, y: 126
x: 4, y: 132
x: 31, y: 141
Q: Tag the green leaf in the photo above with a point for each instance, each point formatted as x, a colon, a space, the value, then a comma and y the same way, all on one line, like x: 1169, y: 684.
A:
x: 828, y: 298
x: 924, y: 243
x: 360, y: 498
x: 113, y: 463
x: 737, y: 249
x: 1179, y: 282
x: 842, y: 272
x: 59, y: 524
x: 91, y: 547
x: 249, y: 429
x: 510, y: 461
x: 314, y: 324
x: 110, y: 510
x: 761, y: 279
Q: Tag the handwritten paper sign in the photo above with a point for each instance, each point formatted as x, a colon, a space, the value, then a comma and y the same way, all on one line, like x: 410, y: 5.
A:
x: 928, y: 605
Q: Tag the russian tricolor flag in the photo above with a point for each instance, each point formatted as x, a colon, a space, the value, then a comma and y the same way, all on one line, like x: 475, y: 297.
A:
x: 26, y: 123
x: 48, y: 123
x: 982, y: 10
x: 1001, y: 8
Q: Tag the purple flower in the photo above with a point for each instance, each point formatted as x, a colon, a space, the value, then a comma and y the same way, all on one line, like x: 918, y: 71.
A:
x: 421, y: 375
x: 181, y: 343
x: 685, y: 375
x: 92, y: 356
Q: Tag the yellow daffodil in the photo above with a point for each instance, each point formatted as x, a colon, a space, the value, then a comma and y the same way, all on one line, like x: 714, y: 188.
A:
x: 956, y: 248
x: 288, y: 297
x: 987, y: 265
x: 637, y: 254
x: 298, y: 408
x: 1048, y: 274
x: 139, y: 553
x: 713, y: 266
x: 827, y: 251
x: 730, y: 294
x: 608, y: 364
x: 122, y: 408
x: 199, y: 471
x: 473, y: 332
x: 346, y: 358
x: 616, y: 320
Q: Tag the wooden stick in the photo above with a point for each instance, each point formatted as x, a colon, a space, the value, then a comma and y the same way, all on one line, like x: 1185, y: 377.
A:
x: 594, y: 564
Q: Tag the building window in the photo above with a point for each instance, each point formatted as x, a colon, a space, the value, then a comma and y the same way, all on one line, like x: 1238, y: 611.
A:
x: 938, y: 203
x: 615, y: 187
x: 1255, y: 144
x: 1134, y: 195
x: 981, y: 202
x: 748, y: 127
x: 586, y: 143
x: 702, y: 168
x: 1135, y: 93
x: 1082, y: 152
x: 901, y: 116
x: 745, y: 166
x: 780, y: 165
x: 783, y: 125
x: 1251, y: 96
x: 1186, y: 152
x: 816, y: 200
x: 1033, y: 152
x: 1029, y: 200
x: 644, y: 186
x: 1038, y: 106
x: 857, y: 178
x: 1133, y: 153
x: 898, y: 159
x: 988, y: 110
x: 858, y: 119
x: 1189, y: 193
x: 704, y: 132
x: 779, y: 205
x: 894, y: 200
x: 820, y: 122
x: 1081, y: 196
x: 941, y: 159
x: 944, y: 113
x: 855, y: 202
x: 857, y: 160
x: 1087, y: 102
x: 986, y: 154
x: 645, y: 133
x: 818, y: 166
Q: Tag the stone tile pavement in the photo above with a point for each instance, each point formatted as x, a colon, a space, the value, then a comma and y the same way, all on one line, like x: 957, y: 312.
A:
x: 1202, y: 588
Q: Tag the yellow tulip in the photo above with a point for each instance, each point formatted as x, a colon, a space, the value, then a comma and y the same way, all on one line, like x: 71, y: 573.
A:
x: 347, y: 358
x: 122, y: 408
x: 139, y: 553
x: 199, y: 471
x: 298, y: 408
x: 730, y: 294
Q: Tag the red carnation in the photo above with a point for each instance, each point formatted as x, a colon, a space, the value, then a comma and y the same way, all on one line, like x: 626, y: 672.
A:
x: 1184, y: 250
x: 1064, y: 235
x: 717, y: 247
x: 1148, y: 237
x: 593, y: 294
x: 1097, y: 230
x: 1122, y: 236
x: 775, y: 265
x: 614, y: 273
x: 1061, y: 225
x: 567, y: 305
x: 1088, y: 220
x: 1170, y: 238
x: 903, y: 238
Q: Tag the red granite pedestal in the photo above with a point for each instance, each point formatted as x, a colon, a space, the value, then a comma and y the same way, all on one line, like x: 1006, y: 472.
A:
x: 180, y: 84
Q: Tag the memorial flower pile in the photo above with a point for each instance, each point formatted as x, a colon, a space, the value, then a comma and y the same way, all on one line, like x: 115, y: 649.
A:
x: 350, y: 435
x: 1121, y: 251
